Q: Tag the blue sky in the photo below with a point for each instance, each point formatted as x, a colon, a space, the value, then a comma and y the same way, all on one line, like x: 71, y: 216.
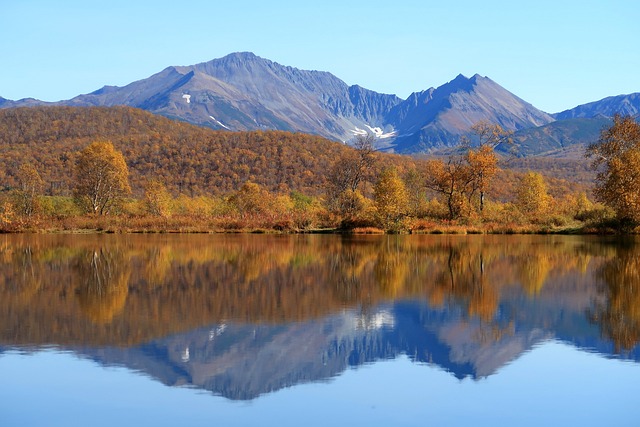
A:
x: 555, y: 54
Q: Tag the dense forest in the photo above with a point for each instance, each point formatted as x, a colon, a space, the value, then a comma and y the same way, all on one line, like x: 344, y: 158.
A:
x: 193, y: 160
x: 267, y: 179
x: 188, y: 159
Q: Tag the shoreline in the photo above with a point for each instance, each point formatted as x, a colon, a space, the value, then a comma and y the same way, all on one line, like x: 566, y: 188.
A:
x: 436, y: 229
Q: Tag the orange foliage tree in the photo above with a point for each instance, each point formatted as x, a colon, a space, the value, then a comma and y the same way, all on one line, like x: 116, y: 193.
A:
x: 616, y: 156
x: 483, y: 161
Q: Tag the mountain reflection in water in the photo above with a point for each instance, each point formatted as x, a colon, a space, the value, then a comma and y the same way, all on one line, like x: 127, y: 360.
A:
x: 243, y: 315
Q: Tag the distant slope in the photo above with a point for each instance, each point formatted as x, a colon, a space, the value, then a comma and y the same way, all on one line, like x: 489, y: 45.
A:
x: 559, y: 135
x: 607, y: 107
x: 26, y: 102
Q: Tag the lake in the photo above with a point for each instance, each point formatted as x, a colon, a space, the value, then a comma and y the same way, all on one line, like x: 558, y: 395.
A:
x: 317, y: 330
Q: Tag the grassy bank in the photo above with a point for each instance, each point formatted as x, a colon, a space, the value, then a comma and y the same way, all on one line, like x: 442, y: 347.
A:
x: 191, y: 224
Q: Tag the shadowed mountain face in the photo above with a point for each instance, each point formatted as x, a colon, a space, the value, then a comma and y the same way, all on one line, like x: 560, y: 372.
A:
x: 241, y: 316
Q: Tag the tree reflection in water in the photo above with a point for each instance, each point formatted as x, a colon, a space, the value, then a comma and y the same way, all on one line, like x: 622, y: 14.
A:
x: 125, y: 290
x: 103, y: 275
x: 618, y: 311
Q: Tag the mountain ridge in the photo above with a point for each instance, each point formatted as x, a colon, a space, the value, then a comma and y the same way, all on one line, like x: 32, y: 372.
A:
x: 242, y: 92
x: 628, y: 104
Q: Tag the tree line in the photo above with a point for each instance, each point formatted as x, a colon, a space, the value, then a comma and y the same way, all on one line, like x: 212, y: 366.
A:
x: 344, y: 187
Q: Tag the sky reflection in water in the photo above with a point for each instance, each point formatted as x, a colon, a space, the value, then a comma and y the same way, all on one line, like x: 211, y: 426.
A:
x: 554, y: 384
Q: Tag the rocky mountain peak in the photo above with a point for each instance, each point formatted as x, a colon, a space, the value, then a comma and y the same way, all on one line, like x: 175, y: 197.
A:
x: 242, y: 91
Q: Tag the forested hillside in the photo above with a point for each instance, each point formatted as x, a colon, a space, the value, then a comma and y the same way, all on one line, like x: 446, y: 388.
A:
x: 189, y: 159
x: 186, y: 158
x: 257, y: 179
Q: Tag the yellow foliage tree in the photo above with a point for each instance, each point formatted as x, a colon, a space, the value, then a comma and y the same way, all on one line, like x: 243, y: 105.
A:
x: 102, y: 178
x: 157, y: 199
x: 483, y: 164
x: 483, y: 161
x: 252, y: 199
x: 391, y: 199
x: 30, y: 186
x: 532, y: 198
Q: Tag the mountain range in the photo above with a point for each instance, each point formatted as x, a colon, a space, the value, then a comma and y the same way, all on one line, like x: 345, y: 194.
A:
x: 244, y: 361
x: 242, y: 91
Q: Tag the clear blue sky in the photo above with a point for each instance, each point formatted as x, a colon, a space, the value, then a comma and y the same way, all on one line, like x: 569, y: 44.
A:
x: 555, y: 54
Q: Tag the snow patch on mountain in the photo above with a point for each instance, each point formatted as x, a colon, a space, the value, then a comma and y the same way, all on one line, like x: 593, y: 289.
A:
x: 375, y: 131
x: 219, y: 123
x: 379, y: 133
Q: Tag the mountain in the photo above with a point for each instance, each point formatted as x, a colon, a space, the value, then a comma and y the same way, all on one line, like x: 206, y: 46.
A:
x: 245, y: 92
x: 242, y: 91
x: 607, y: 107
x: 576, y: 128
x: 26, y: 102
x: 438, y: 117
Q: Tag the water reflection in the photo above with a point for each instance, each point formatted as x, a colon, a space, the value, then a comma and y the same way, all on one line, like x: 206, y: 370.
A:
x: 103, y: 276
x: 618, y: 314
x: 244, y: 315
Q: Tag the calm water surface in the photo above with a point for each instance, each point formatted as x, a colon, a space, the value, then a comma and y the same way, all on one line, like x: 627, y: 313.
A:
x: 107, y: 330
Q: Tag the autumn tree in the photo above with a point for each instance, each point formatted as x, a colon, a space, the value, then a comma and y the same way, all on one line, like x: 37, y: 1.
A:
x: 30, y: 186
x: 532, y: 198
x: 252, y: 199
x: 414, y: 183
x: 391, y: 199
x: 460, y: 178
x: 616, y: 157
x: 451, y: 179
x: 157, y: 199
x: 348, y: 173
x: 102, y: 177
x: 483, y: 161
x: 491, y: 135
x: 349, y: 205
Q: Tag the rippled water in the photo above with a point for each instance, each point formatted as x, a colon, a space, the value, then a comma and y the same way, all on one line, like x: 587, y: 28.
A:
x: 318, y: 329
